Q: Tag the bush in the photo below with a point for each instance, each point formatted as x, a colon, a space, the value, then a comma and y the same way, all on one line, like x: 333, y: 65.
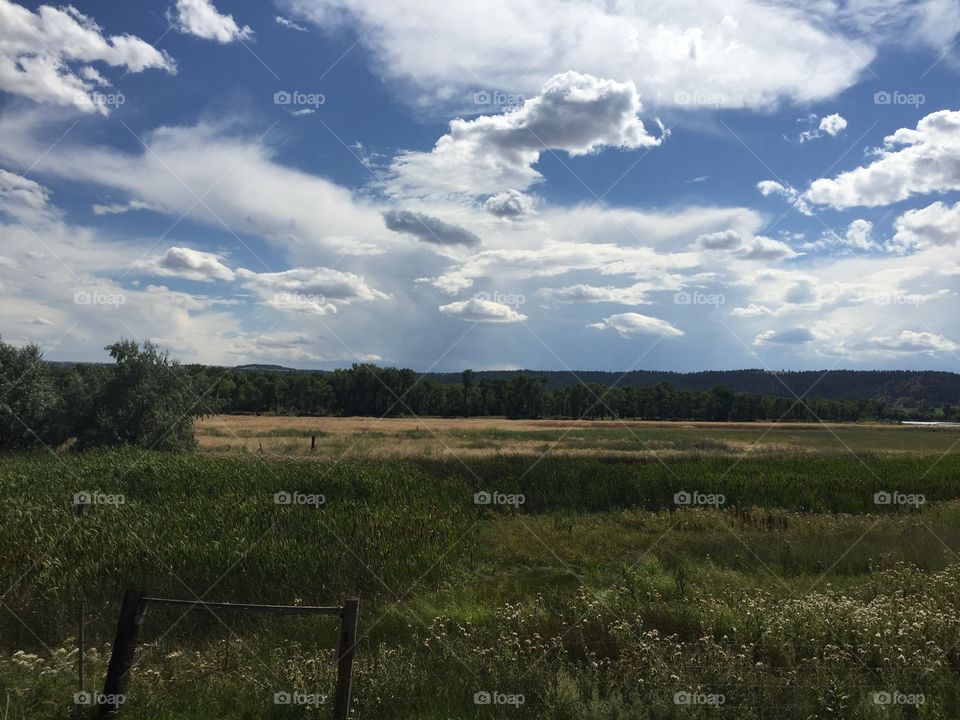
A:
x: 147, y: 400
x: 28, y: 398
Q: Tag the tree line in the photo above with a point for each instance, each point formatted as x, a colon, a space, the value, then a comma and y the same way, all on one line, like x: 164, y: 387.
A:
x: 149, y: 400
x: 365, y: 389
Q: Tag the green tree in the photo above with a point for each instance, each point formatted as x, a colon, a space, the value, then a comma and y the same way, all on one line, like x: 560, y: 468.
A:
x: 468, y: 379
x: 148, y: 400
x: 28, y: 398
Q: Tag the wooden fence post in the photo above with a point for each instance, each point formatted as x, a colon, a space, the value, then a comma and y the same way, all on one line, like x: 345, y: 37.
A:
x: 124, y: 647
x: 345, y: 648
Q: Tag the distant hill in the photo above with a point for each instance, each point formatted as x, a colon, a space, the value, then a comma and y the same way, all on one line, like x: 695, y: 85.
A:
x: 268, y: 368
x: 904, y: 388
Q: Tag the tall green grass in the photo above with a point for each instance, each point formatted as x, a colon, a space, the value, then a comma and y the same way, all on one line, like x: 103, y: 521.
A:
x: 588, y: 598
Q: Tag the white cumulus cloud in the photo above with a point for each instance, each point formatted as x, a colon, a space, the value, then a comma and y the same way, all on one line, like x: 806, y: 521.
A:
x: 201, y: 18
x: 911, y: 162
x: 478, y: 310
x: 831, y: 125
x: 631, y: 324
x: 788, y: 336
x: 757, y: 247
x: 935, y: 225
x: 575, y: 113
x: 727, y: 53
x: 510, y: 204
x: 188, y: 264
x: 46, y: 56
x: 911, y: 342
x: 318, y: 290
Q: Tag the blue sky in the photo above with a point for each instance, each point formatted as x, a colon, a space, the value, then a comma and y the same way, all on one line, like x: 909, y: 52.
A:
x: 552, y: 184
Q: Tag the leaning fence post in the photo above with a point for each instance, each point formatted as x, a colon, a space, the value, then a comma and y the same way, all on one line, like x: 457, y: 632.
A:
x: 345, y: 647
x: 124, y: 647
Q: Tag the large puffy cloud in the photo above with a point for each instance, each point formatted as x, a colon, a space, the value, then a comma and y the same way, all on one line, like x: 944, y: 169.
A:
x: 935, y: 225
x: 629, y: 325
x: 479, y: 310
x: 188, y: 264
x: 911, y: 162
x: 731, y: 53
x: 47, y: 56
x: 427, y: 228
x: 574, y: 112
x: 201, y: 18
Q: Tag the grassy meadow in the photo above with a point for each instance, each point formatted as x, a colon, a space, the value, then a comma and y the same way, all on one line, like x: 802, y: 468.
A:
x: 782, y: 590
x: 397, y: 438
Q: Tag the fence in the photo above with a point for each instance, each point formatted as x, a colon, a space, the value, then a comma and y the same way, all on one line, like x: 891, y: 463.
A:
x: 133, y: 611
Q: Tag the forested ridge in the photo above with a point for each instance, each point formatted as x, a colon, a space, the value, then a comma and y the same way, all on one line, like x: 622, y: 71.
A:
x: 366, y: 389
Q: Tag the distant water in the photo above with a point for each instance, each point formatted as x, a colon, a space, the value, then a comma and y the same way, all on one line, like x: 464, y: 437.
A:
x: 930, y: 422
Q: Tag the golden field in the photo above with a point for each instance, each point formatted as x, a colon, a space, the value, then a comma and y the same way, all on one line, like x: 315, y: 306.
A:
x: 408, y: 437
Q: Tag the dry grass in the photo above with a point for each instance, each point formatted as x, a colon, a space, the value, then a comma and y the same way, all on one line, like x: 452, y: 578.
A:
x: 438, y: 438
x: 264, y: 424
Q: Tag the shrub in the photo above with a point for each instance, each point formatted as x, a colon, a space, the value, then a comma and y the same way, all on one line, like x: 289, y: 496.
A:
x: 147, y: 400
x: 28, y: 398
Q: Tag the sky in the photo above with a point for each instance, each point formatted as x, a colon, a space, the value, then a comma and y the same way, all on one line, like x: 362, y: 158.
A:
x: 548, y: 184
